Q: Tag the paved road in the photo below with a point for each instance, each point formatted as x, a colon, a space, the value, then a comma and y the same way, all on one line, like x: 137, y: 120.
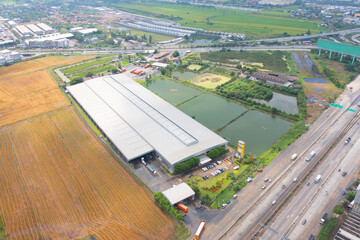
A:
x: 256, y: 202
x: 196, y: 49
x: 355, y: 38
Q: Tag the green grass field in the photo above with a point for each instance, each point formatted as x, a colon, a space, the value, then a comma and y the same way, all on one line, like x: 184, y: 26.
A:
x: 271, y: 60
x: 87, y: 64
x: 194, y: 67
x: 209, y: 80
x: 155, y: 37
x: 255, y: 25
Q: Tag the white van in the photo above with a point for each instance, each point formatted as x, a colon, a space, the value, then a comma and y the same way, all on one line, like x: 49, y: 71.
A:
x: 294, y: 156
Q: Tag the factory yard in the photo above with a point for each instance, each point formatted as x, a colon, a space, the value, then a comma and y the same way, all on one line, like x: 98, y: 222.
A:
x: 58, y: 180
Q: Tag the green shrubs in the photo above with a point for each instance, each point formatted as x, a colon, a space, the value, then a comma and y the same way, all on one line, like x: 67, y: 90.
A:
x: 350, y: 196
x: 338, y: 209
x: 327, y: 229
x: 165, y: 205
x: 217, y: 152
x: 183, y: 166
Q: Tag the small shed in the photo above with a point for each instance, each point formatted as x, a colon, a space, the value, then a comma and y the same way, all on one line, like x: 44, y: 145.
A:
x: 179, y: 193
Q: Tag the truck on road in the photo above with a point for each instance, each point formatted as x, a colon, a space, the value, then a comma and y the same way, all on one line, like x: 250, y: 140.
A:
x: 310, y: 156
x: 324, y: 218
x: 317, y: 179
x: 200, y: 229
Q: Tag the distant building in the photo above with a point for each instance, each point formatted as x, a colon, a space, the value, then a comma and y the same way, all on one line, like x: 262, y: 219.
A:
x: 12, y: 23
x: 60, y: 40
x: 45, y: 28
x: 161, y: 55
x: 159, y: 65
x: 280, y: 79
x: 7, y: 56
x: 24, y: 31
x: 87, y: 31
x: 35, y: 29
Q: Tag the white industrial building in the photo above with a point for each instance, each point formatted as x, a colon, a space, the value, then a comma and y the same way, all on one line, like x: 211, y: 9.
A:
x: 35, y: 29
x: 179, y: 193
x: 58, y: 40
x: 7, y: 56
x: 24, y: 31
x: 12, y: 23
x: 45, y: 27
x: 87, y: 31
x: 138, y: 122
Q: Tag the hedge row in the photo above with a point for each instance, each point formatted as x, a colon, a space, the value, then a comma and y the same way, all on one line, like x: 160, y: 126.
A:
x: 183, y: 166
x: 165, y: 205
x: 217, y: 152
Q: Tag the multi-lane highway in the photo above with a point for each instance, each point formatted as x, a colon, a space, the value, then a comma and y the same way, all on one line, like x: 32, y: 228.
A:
x: 254, y: 208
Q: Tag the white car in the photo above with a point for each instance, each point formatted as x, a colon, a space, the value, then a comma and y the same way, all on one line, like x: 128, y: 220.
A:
x: 325, y: 193
x: 273, y: 203
x: 263, y: 187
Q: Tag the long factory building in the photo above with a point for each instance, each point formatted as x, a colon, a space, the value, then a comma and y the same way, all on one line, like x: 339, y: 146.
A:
x: 138, y: 122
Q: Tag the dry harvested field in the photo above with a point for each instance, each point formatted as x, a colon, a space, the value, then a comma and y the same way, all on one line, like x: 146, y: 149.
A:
x: 58, y: 181
x: 26, y: 88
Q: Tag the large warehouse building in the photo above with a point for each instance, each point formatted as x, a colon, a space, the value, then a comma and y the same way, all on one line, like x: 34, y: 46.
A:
x: 138, y: 122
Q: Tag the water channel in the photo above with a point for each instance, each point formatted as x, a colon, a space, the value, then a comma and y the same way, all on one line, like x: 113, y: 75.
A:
x: 259, y: 130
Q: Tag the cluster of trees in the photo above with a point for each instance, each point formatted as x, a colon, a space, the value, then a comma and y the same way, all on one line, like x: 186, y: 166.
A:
x: 76, y: 80
x: 217, y: 152
x: 330, y: 74
x: 183, y: 166
x: 167, y: 71
x: 165, y: 205
x: 244, y: 90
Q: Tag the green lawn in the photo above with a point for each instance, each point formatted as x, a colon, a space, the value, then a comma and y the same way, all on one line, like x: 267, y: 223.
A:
x: 262, y: 24
x: 87, y: 64
x: 155, y: 37
x: 271, y: 60
x: 194, y: 67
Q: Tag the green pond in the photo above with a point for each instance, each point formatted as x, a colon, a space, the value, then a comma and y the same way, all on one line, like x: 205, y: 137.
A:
x: 259, y: 130
x: 283, y: 102
x: 212, y: 111
x: 172, y: 92
x: 185, y: 75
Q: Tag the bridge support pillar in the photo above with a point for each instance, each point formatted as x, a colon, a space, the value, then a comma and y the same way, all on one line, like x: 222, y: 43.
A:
x: 353, y: 60
x: 319, y: 52
x: 341, y: 57
x: 330, y: 54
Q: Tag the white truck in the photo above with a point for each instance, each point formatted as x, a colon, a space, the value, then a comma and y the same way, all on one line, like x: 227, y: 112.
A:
x: 317, y: 179
x: 294, y: 156
x: 310, y: 156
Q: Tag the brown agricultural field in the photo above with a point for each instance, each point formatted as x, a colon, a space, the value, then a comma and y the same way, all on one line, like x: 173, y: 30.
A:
x: 58, y: 181
x: 26, y: 88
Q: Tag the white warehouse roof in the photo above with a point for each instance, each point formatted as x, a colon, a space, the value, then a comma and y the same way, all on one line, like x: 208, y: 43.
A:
x: 137, y: 121
x: 178, y: 193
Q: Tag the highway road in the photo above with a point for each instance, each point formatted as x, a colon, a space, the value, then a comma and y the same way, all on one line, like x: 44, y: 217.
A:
x: 196, y: 49
x: 310, y: 203
x: 246, y: 214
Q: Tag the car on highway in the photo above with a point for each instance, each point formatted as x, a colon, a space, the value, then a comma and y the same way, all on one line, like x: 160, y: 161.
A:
x: 263, y: 187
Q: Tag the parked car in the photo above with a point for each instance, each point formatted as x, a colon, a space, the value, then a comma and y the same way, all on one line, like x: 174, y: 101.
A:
x: 325, y: 193
x: 303, y: 222
x: 266, y: 179
x: 190, y: 175
x: 273, y: 202
x: 263, y: 187
x: 308, y: 184
x: 235, y: 196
